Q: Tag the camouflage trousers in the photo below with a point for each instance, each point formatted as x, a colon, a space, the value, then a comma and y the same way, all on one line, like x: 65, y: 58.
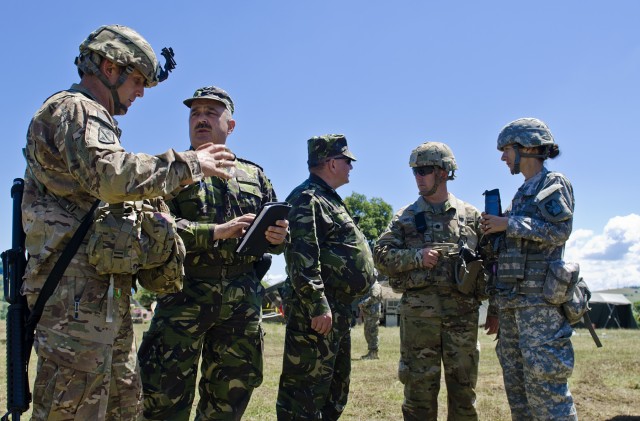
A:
x: 371, y: 322
x: 316, y: 369
x: 218, y: 320
x: 535, y: 352
x: 87, y: 366
x: 426, y: 344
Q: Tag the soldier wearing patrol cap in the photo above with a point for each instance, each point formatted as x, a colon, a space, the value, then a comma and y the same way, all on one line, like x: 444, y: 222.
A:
x: 419, y: 253
x: 216, y: 317
x: 534, y: 346
x: 329, y: 265
x: 84, y: 340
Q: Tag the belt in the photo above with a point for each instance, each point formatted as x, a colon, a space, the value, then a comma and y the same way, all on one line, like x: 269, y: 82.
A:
x: 223, y: 271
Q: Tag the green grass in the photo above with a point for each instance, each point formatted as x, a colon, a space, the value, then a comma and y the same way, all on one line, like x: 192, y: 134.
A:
x: 605, y: 383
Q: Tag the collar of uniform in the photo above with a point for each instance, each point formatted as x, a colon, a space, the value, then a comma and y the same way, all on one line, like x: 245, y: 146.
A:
x: 439, y: 209
x: 315, y: 179
x: 84, y: 91
x: 530, y: 186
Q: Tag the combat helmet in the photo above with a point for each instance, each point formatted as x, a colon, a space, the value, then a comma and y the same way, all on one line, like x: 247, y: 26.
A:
x: 127, y: 48
x: 434, y: 154
x: 527, y: 133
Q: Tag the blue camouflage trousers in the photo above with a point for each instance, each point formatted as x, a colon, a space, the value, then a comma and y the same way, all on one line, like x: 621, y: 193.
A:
x: 426, y: 344
x: 218, y: 320
x: 316, y: 369
x: 535, y: 352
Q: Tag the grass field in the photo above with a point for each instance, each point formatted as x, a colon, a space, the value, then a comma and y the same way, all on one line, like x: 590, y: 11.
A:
x: 605, y: 383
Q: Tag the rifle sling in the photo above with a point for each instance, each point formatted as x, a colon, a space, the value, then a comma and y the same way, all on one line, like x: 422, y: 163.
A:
x: 592, y: 331
x: 56, y: 273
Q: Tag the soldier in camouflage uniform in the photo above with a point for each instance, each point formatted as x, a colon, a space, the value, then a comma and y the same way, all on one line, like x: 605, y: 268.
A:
x: 439, y: 306
x: 534, y: 345
x: 329, y: 266
x: 371, y: 309
x: 217, y: 315
x: 87, y: 366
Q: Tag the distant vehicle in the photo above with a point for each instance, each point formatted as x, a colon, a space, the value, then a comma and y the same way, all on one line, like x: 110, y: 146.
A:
x: 140, y: 314
x: 272, y: 302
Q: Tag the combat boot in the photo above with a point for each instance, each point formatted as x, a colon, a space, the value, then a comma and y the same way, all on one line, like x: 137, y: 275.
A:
x: 371, y: 355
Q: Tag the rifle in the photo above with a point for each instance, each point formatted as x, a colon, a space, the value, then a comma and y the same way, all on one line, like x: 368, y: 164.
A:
x: 14, y: 262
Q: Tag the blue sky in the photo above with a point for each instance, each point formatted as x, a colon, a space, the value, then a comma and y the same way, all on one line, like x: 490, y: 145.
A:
x: 389, y: 76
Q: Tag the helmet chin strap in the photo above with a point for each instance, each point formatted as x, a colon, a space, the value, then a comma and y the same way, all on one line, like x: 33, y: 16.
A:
x: 516, y: 163
x: 119, y: 107
x: 432, y: 190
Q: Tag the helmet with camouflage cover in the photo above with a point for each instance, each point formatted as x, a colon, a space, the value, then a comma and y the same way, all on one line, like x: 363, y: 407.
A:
x: 124, y: 47
x: 526, y: 132
x: 434, y: 154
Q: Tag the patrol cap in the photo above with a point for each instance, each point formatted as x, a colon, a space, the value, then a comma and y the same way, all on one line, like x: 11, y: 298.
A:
x: 214, y: 93
x: 327, y: 146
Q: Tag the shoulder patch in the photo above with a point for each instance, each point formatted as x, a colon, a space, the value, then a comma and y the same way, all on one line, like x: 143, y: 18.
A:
x: 553, y: 206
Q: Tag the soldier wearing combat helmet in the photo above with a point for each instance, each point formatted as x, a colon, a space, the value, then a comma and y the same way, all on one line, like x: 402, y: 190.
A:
x: 527, y: 133
x: 533, y: 347
x: 75, y: 159
x: 418, y: 252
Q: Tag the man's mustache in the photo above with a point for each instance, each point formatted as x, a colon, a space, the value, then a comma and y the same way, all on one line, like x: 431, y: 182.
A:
x: 203, y: 125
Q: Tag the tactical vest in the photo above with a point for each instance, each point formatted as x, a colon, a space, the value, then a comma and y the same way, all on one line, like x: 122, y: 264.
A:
x: 442, y: 233
x: 519, y: 257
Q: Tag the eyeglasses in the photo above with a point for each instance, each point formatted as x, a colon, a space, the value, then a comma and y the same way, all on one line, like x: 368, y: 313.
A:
x: 422, y: 171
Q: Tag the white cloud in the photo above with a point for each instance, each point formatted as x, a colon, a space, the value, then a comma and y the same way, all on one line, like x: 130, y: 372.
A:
x: 610, y: 259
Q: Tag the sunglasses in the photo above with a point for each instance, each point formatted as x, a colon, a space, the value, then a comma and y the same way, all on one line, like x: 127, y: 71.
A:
x: 344, y: 158
x: 422, y: 171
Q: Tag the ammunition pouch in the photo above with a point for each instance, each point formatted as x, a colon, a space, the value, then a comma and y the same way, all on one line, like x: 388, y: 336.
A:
x: 560, y: 281
x: 576, y: 307
x: 471, y: 279
x: 511, y: 270
x: 511, y: 266
x: 138, y: 238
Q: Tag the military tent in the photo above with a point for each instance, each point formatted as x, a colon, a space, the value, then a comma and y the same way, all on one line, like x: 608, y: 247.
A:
x: 612, y: 311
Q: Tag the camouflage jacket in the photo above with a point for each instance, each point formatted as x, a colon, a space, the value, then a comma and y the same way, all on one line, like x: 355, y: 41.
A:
x: 540, y: 222
x: 398, y: 255
x: 74, y: 157
x: 200, y: 207
x: 328, y: 258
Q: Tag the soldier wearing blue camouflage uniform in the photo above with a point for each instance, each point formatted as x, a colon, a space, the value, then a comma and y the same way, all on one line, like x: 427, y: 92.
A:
x: 87, y: 366
x: 329, y: 266
x: 440, y: 296
x: 371, y: 309
x: 534, y: 340
x: 216, y: 317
